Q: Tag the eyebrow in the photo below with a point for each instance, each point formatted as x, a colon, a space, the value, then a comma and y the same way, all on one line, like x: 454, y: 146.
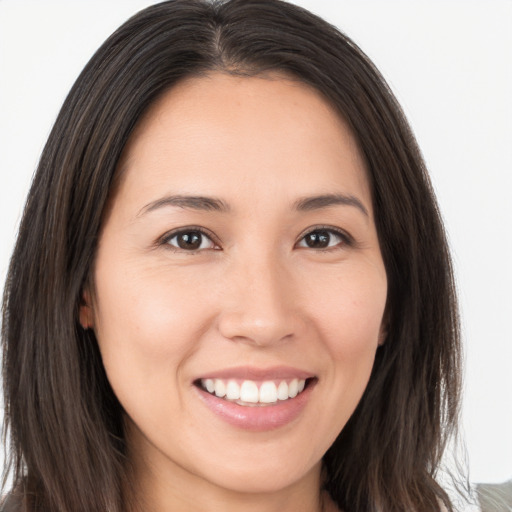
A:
x: 327, y: 200
x: 203, y: 203
x: 200, y: 203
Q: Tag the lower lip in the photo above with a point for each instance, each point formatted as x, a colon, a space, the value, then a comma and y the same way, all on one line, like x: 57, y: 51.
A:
x: 258, y: 418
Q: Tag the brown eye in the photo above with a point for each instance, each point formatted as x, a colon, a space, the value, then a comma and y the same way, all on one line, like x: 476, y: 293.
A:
x: 192, y: 240
x: 322, y: 239
x: 318, y: 239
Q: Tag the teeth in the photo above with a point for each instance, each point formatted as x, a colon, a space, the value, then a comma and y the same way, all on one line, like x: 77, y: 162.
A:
x: 293, y: 388
x: 220, y: 388
x: 233, y: 390
x: 209, y: 385
x: 268, y: 393
x: 249, y: 393
x: 282, y: 391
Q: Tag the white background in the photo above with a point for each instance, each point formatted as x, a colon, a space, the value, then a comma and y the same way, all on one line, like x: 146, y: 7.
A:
x: 450, y: 64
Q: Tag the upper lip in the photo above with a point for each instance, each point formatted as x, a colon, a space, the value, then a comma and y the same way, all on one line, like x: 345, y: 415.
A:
x: 258, y: 374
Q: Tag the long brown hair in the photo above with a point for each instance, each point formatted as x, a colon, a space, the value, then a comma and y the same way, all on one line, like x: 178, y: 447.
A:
x: 67, y: 447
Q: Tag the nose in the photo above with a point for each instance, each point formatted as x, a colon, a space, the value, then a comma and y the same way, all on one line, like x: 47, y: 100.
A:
x: 259, y: 304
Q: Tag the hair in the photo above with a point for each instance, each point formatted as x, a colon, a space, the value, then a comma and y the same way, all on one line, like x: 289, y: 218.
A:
x: 65, y: 425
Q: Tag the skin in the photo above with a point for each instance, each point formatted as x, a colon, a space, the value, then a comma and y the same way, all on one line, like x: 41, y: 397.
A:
x: 255, y: 295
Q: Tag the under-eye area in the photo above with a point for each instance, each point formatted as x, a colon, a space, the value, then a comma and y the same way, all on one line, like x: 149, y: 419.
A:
x: 255, y: 393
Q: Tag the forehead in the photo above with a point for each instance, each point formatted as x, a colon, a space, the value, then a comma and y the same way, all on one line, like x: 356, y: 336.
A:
x: 217, y: 130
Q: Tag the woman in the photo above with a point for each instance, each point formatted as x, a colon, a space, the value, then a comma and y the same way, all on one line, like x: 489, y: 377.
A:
x: 231, y: 287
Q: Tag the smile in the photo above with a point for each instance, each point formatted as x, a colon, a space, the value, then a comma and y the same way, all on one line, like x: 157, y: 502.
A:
x: 255, y: 399
x: 252, y: 393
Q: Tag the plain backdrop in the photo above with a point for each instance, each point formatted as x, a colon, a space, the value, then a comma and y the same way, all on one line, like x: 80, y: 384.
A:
x: 450, y: 64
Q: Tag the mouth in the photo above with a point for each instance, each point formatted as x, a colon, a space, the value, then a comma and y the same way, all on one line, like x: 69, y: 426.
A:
x: 257, y: 399
x: 255, y: 393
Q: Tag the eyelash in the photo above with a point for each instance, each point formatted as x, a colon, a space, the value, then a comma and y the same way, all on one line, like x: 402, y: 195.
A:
x: 346, y: 239
x: 165, y: 240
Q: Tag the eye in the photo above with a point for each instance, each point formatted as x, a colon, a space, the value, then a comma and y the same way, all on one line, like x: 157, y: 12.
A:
x: 189, y: 240
x: 323, y: 238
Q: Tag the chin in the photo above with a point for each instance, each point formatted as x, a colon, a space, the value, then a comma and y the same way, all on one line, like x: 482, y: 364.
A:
x: 261, y: 480
x: 265, y: 474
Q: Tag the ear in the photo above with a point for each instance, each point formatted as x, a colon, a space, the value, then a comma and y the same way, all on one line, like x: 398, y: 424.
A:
x: 86, y: 316
x: 383, y: 333
x: 384, y: 326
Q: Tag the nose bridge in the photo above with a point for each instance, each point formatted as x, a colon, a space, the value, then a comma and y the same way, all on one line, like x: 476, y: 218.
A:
x: 260, y: 306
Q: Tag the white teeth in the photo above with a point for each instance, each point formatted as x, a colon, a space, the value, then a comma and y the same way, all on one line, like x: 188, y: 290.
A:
x: 233, y: 390
x: 209, y: 385
x: 293, y: 388
x: 249, y: 393
x: 282, y: 391
x: 268, y: 393
x: 220, y: 388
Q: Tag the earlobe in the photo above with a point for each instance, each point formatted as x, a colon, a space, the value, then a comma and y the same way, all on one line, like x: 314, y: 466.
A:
x: 383, y: 334
x: 384, y: 327
x: 86, y: 316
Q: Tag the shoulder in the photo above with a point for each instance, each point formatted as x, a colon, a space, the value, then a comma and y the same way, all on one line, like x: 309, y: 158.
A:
x: 495, y: 497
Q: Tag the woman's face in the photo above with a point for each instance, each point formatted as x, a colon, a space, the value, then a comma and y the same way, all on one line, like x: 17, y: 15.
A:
x: 239, y: 255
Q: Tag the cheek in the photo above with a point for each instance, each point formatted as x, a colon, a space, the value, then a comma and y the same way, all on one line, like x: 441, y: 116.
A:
x: 146, y: 323
x: 349, y: 308
x: 148, y: 327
